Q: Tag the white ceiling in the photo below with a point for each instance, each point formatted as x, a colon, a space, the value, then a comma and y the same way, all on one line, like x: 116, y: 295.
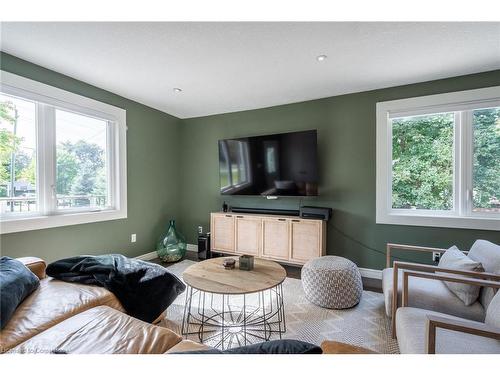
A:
x: 227, y: 67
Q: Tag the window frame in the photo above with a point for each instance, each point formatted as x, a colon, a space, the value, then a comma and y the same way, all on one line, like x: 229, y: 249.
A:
x: 48, y: 99
x: 462, y: 103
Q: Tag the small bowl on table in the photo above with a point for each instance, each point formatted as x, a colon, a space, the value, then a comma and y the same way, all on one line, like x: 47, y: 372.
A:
x: 229, y: 263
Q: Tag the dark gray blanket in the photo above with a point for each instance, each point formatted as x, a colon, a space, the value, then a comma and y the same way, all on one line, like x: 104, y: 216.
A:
x: 144, y: 289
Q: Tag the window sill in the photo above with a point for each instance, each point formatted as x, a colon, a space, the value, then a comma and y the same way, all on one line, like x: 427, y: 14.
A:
x: 463, y: 222
x: 43, y: 222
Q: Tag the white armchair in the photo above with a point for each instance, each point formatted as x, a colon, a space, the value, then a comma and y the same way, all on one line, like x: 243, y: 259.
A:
x: 432, y: 294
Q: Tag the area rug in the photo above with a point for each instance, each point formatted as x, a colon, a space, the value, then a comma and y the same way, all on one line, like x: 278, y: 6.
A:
x: 364, y: 325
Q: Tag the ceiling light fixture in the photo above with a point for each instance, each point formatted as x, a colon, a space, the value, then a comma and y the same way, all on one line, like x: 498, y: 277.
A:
x: 177, y: 90
x: 321, y: 57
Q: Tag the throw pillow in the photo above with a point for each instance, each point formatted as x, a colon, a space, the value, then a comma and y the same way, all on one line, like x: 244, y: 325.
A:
x: 16, y: 283
x: 493, y: 312
x: 285, y: 346
x: 453, y: 258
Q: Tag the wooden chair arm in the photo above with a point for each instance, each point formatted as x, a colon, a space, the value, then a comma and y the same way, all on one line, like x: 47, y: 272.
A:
x: 470, y: 327
x: 395, y: 246
x: 431, y: 269
x: 452, y: 278
x: 335, y: 347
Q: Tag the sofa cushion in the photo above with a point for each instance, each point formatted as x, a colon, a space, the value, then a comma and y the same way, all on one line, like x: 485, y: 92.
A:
x: 493, y: 312
x: 50, y: 304
x: 101, y: 330
x: 16, y: 283
x: 488, y: 254
x: 411, y: 334
x: 431, y: 295
x: 453, y: 258
x: 144, y: 289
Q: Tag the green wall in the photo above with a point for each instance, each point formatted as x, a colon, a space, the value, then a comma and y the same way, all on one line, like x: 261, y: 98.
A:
x: 173, y: 172
x: 346, y: 137
x: 152, y: 169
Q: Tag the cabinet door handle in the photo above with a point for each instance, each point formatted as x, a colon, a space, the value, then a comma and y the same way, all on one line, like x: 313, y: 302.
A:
x: 296, y: 221
x: 239, y: 217
x: 282, y: 219
x: 229, y: 215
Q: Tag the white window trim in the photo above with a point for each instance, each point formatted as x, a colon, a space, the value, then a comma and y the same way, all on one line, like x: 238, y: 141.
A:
x: 26, y: 88
x: 461, y: 216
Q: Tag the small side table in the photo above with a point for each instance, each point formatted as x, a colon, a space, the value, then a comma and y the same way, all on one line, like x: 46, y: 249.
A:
x: 229, y: 308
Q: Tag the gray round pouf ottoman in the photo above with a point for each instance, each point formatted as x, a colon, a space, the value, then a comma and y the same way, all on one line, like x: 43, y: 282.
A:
x: 332, y: 282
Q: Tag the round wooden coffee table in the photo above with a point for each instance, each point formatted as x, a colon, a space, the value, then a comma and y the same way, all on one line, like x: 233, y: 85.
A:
x: 228, y: 308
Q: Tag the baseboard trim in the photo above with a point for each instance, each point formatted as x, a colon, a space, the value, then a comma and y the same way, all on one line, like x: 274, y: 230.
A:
x: 365, y: 272
x: 370, y: 273
x: 192, y: 247
x: 153, y: 255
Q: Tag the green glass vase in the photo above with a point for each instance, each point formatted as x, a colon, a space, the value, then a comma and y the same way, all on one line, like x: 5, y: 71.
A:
x: 171, y: 246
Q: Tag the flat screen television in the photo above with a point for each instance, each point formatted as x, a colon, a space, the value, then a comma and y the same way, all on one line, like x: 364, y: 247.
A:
x: 270, y: 165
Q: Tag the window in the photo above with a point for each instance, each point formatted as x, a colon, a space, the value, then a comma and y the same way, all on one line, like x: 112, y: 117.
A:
x: 486, y: 160
x: 438, y: 160
x: 63, y: 157
x: 422, y: 162
x: 81, y: 162
x: 18, y: 192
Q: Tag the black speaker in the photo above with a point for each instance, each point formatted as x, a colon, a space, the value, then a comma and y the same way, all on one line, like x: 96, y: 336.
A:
x: 204, y: 246
x: 310, y: 212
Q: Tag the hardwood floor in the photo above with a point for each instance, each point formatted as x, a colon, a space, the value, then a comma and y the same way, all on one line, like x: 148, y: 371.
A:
x: 373, y: 285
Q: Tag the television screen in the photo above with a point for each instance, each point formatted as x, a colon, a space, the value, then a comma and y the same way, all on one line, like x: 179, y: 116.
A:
x: 270, y: 165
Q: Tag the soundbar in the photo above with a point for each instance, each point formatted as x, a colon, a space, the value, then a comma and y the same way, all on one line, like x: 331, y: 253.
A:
x: 265, y: 211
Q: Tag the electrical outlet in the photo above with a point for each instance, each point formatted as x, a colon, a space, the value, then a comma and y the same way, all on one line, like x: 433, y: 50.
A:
x: 200, y: 229
x: 436, y: 255
x: 133, y: 237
